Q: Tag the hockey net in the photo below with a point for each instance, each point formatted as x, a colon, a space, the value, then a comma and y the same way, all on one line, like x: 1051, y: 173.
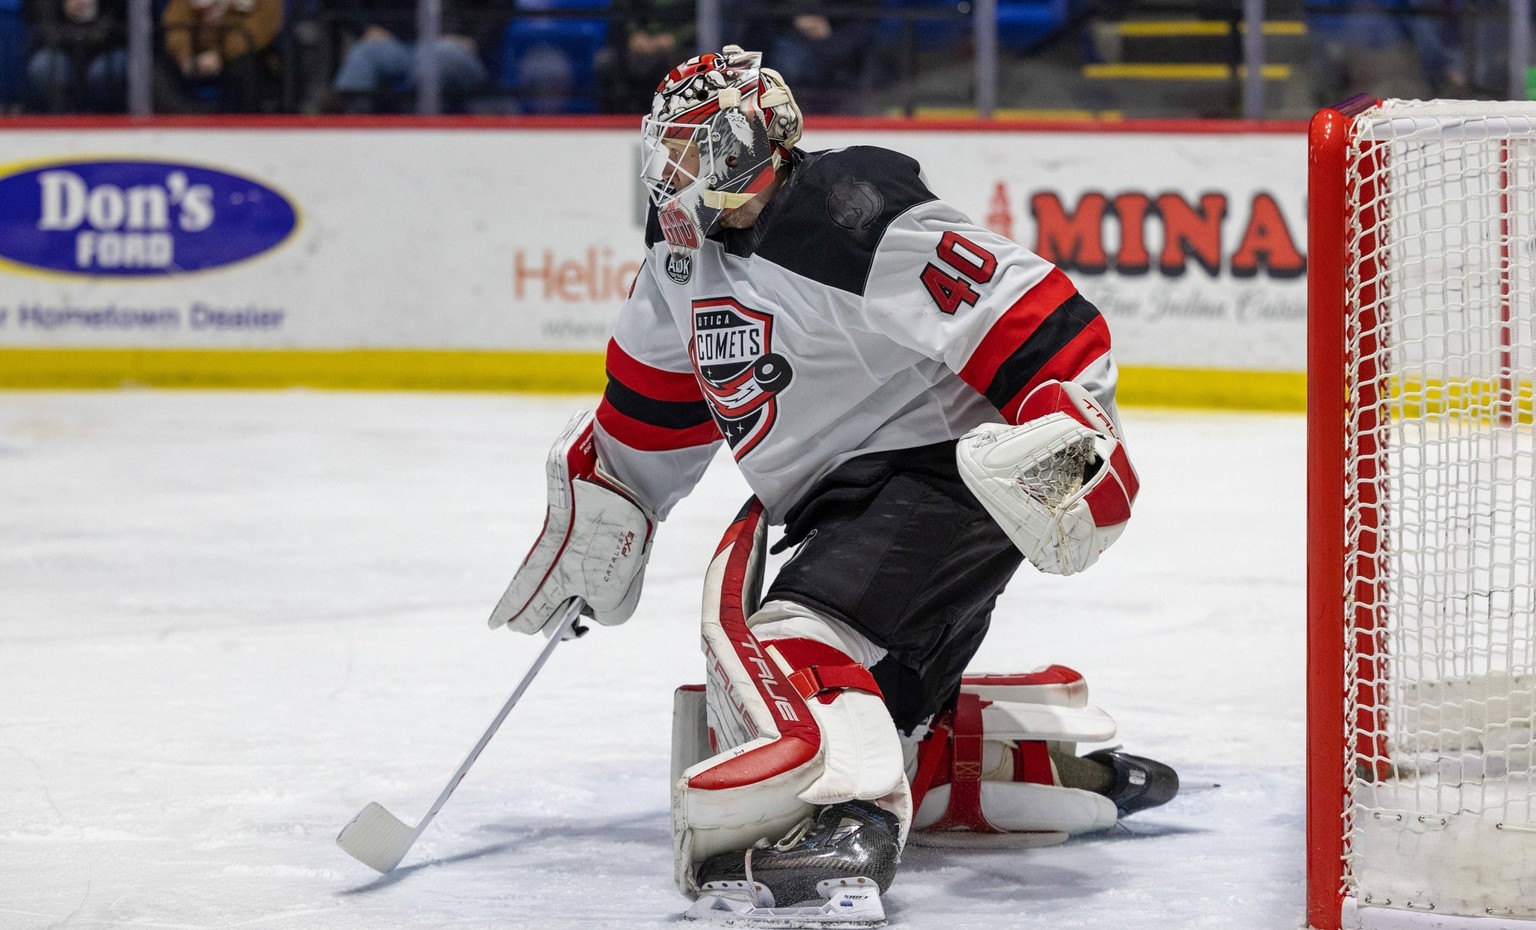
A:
x: 1422, y: 515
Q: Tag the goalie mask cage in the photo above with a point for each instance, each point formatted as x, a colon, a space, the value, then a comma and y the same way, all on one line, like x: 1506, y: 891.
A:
x: 1421, y: 515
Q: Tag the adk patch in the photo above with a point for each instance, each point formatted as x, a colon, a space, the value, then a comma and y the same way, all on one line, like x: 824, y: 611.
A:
x: 679, y: 267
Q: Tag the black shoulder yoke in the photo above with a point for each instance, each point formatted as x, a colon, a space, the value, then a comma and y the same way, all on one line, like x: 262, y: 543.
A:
x: 831, y: 216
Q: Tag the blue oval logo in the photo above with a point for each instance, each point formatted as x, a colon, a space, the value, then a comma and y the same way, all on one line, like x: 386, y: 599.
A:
x: 137, y: 218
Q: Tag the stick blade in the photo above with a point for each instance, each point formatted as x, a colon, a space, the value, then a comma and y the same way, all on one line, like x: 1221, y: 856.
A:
x: 376, y: 838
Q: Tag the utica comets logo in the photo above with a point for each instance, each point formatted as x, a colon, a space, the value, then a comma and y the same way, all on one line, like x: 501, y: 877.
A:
x: 742, y: 376
x: 137, y: 218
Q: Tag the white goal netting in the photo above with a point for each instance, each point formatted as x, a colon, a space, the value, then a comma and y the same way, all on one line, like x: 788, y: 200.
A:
x: 1441, y: 523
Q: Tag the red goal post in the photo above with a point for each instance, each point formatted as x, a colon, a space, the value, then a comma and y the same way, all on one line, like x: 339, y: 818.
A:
x: 1421, y: 511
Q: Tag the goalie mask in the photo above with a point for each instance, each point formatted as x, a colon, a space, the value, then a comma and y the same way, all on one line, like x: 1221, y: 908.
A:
x: 720, y: 126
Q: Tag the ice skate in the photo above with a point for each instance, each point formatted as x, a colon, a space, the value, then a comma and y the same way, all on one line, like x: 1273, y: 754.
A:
x: 1140, y: 782
x: 827, y: 872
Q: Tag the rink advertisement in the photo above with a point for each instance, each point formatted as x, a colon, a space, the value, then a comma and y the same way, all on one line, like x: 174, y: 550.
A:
x: 136, y: 218
x: 1192, y: 244
x: 496, y: 254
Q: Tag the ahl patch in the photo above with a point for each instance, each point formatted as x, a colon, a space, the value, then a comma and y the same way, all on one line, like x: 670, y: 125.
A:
x: 679, y: 267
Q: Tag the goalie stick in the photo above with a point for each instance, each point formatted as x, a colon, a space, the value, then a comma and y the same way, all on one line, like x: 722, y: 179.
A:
x: 379, y: 839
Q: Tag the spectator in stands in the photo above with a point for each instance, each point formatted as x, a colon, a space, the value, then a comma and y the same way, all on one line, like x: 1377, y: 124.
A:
x: 648, y: 38
x: 1370, y: 46
x: 1486, y: 24
x: 219, y: 48
x: 378, y: 73
x: 81, y: 61
x: 1435, y: 30
x: 13, y: 55
x: 820, y: 56
x: 1356, y: 48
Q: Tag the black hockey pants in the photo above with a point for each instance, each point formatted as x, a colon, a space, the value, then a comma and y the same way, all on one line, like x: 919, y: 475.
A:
x: 896, y: 546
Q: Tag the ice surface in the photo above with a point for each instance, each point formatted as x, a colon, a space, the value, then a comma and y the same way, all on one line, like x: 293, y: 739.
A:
x: 229, y: 620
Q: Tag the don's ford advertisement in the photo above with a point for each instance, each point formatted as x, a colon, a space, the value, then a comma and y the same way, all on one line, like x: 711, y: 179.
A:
x: 136, y: 218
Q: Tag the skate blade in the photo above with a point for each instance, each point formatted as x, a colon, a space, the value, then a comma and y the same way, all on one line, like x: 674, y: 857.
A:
x: 848, y: 902
x: 970, y: 839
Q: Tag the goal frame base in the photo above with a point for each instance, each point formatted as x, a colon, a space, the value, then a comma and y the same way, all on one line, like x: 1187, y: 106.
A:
x: 1354, y: 917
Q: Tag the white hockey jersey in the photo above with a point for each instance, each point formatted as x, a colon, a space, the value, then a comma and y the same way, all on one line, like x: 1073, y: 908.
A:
x: 859, y: 314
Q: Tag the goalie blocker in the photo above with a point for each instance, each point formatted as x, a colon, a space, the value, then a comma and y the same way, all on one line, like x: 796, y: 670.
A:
x: 594, y: 544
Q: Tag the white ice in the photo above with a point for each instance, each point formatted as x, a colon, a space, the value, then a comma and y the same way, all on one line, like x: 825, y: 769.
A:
x: 229, y: 620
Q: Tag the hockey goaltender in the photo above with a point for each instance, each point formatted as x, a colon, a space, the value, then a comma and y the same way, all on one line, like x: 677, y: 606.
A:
x: 922, y: 404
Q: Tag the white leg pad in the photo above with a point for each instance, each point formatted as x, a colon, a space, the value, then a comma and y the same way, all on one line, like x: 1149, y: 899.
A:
x: 1021, y: 807
x: 984, y: 775
x: 782, y: 734
x: 766, y: 745
x: 690, y: 730
x: 862, y: 753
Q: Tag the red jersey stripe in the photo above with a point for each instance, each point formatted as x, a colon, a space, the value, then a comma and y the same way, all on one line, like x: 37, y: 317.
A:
x: 647, y: 438
x: 1089, y: 345
x: 655, y: 383
x: 1014, y: 328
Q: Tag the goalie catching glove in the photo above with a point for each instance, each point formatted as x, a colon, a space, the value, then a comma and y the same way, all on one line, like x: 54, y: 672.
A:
x: 594, y: 544
x: 1059, y: 484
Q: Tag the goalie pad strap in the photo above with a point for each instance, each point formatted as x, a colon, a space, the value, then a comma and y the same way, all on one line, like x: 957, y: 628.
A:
x: 822, y: 670
x: 1031, y: 758
x: 984, y: 775
x: 964, y: 811
x: 1032, y: 761
x: 821, y: 681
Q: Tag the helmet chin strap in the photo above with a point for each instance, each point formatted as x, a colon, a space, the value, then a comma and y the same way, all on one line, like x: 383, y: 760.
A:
x: 724, y: 200
x: 727, y: 200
